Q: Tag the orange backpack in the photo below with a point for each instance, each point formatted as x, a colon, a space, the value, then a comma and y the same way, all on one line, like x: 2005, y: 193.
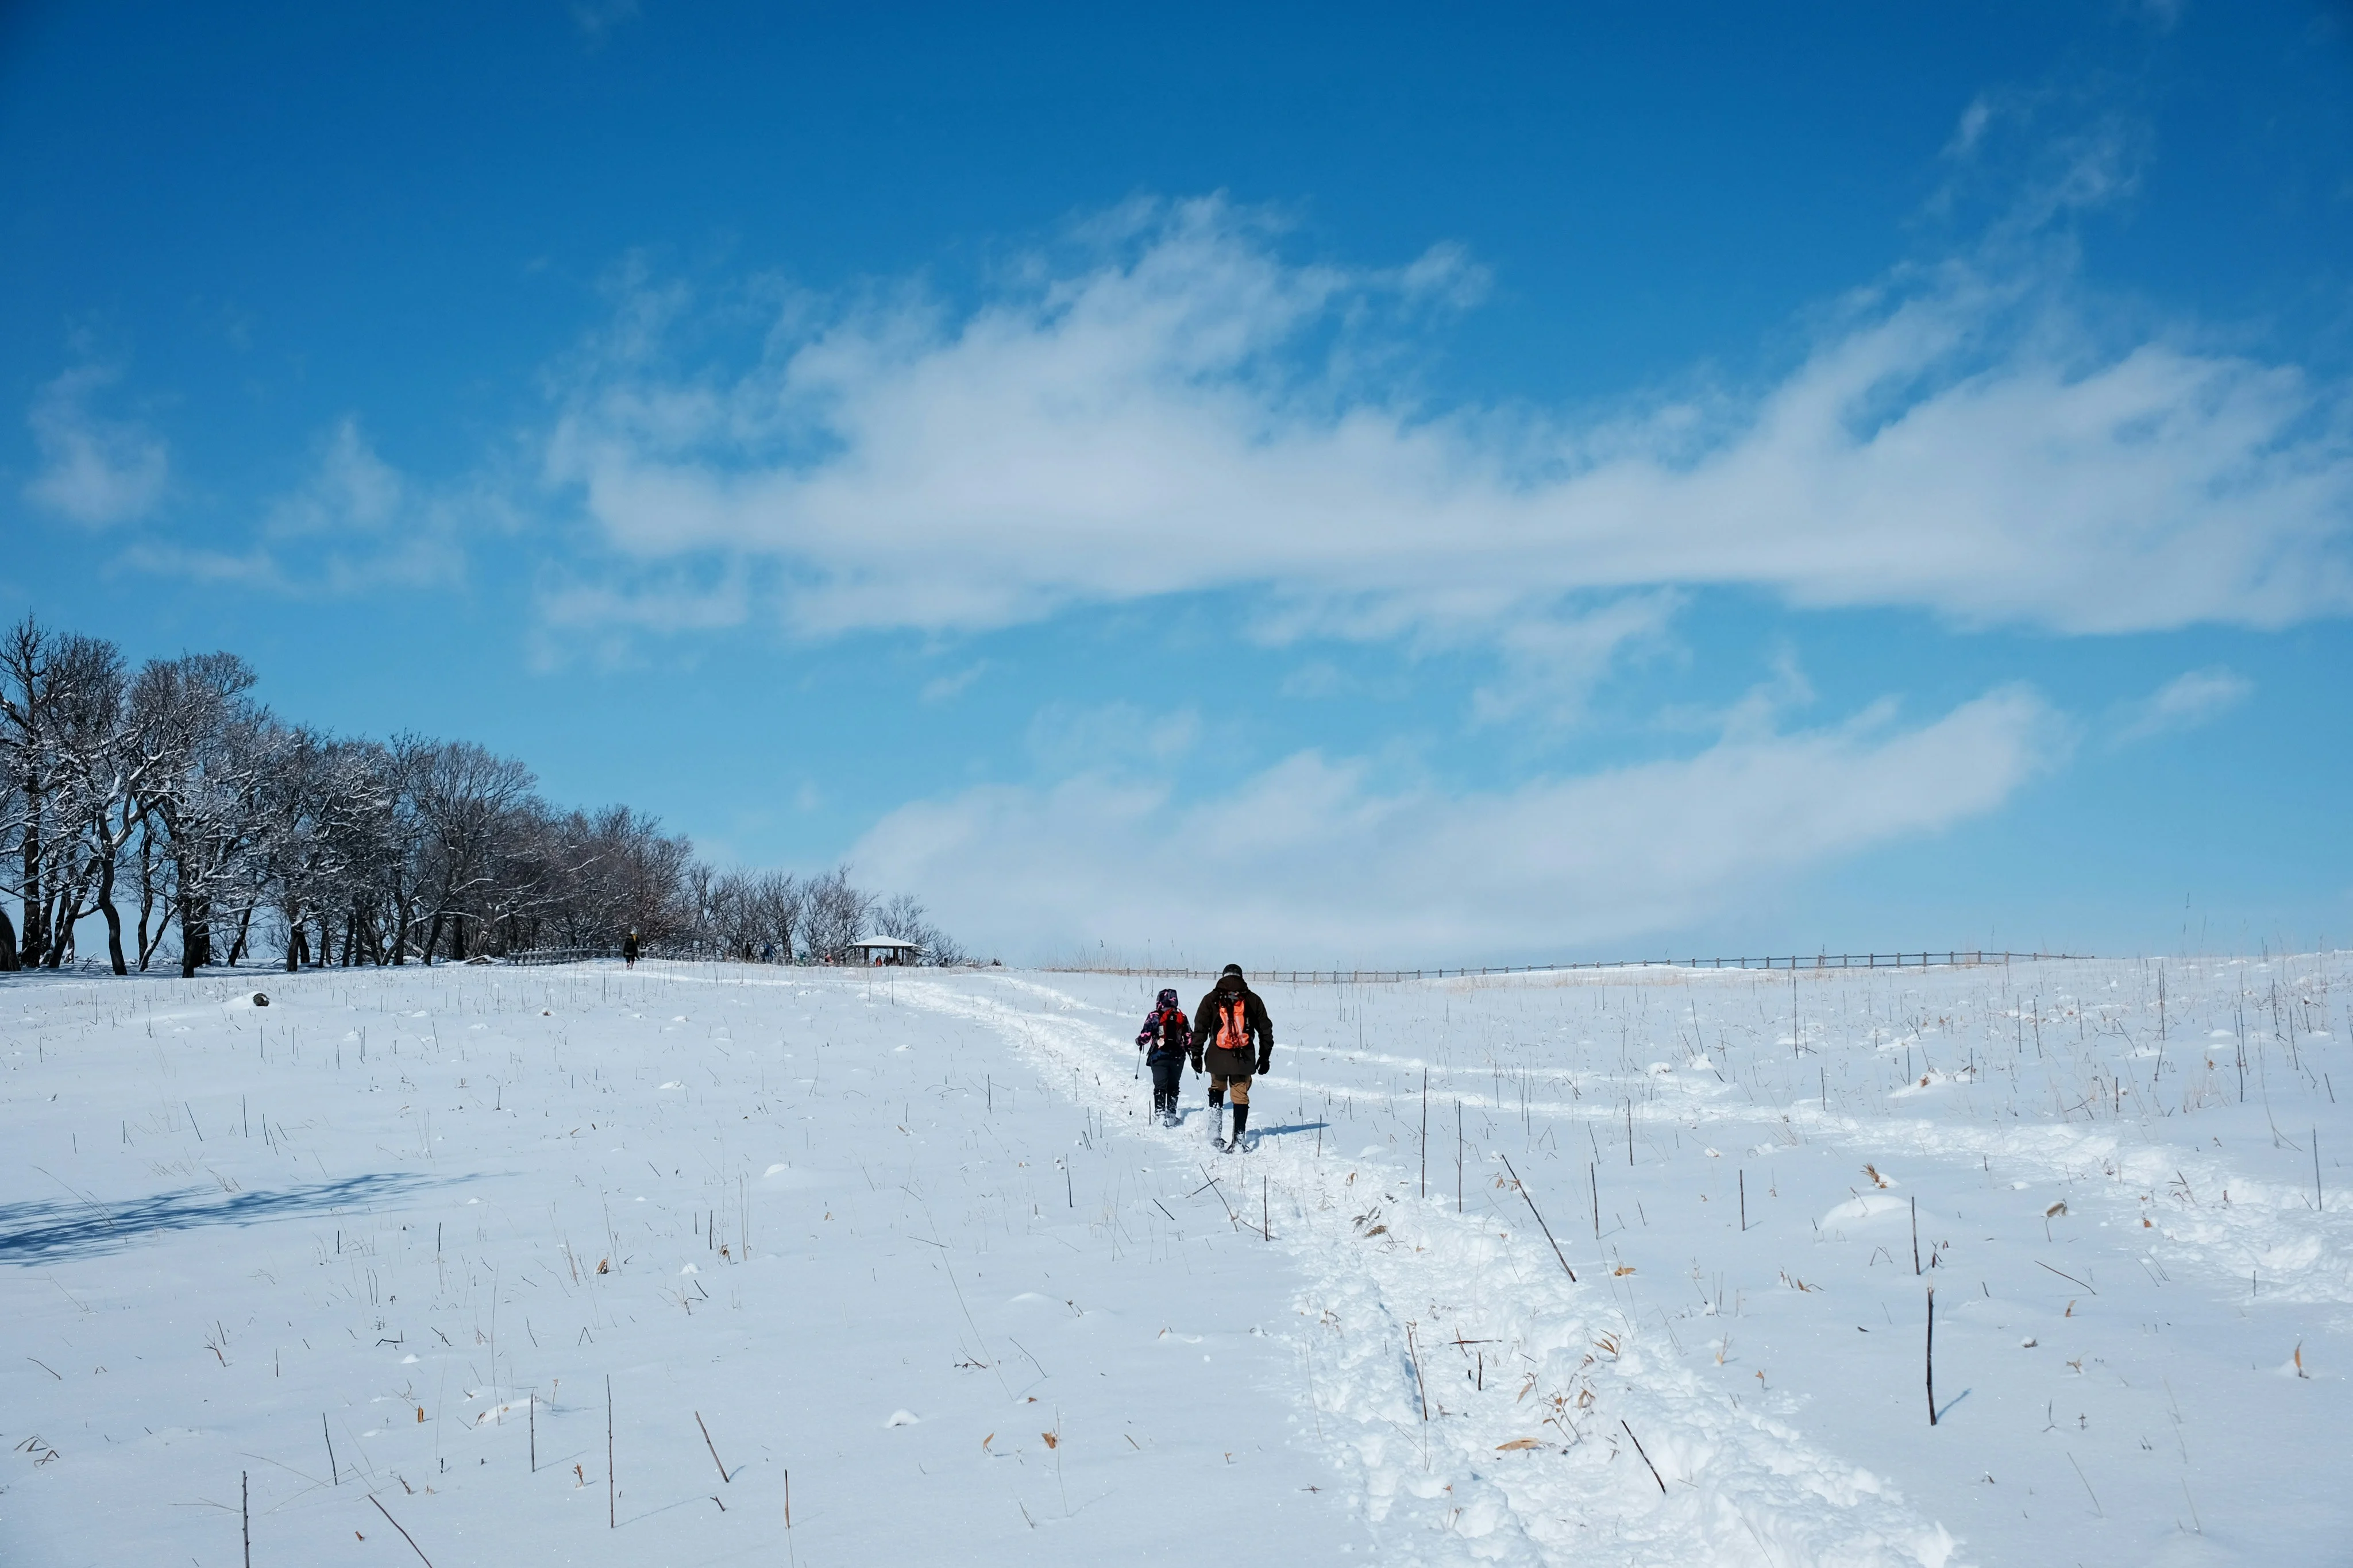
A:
x: 1233, y: 1023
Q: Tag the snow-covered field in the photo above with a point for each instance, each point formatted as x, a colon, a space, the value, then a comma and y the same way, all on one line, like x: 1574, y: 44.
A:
x: 427, y: 1219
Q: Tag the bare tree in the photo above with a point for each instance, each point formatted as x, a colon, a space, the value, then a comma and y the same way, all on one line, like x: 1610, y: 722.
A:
x: 902, y: 916
x: 833, y: 915
x: 12, y: 817
x: 777, y: 899
x: 99, y: 771
x: 465, y: 798
x: 204, y: 805
x: 27, y: 653
x: 175, y: 788
x: 746, y: 913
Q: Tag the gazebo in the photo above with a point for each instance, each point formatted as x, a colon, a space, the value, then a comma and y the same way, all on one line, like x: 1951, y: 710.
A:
x: 885, y: 950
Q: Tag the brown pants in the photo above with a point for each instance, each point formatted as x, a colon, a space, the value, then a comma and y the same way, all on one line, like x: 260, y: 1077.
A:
x: 1218, y: 1085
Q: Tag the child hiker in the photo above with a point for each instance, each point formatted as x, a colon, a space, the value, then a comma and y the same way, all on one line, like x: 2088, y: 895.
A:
x: 1165, y: 1039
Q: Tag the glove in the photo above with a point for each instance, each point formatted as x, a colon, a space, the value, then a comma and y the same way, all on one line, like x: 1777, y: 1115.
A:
x: 1196, y: 1061
x: 1266, y: 1057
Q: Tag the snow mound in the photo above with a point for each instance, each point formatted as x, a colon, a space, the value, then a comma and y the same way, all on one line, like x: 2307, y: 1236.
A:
x: 1866, y: 1205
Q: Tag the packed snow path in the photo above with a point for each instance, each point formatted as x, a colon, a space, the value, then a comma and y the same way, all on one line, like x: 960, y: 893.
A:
x: 424, y: 1217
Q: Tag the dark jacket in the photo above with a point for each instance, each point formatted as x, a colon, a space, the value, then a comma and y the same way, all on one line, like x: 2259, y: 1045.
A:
x: 1258, y: 1035
x: 1166, y: 1033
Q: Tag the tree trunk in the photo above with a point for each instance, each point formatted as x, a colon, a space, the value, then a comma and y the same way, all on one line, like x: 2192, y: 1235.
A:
x: 244, y: 928
x: 53, y: 947
x: 295, y: 941
x: 113, y: 917
x: 147, y: 945
x: 433, y: 938
x: 33, y: 947
x: 66, y: 911
x: 146, y: 899
x: 195, y: 908
x: 7, y: 942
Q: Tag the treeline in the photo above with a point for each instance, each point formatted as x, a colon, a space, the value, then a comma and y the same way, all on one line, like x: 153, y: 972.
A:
x: 202, y: 829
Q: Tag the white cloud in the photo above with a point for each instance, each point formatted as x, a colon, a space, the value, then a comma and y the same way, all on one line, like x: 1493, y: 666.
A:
x: 1185, y: 410
x: 1109, y: 737
x: 668, y: 601
x: 944, y: 688
x: 1315, y: 679
x: 355, y: 524
x: 596, y: 18
x: 1552, y: 663
x: 94, y: 470
x: 2185, y: 701
x: 350, y: 491
x: 1972, y: 129
x: 1314, y: 860
x: 253, y: 568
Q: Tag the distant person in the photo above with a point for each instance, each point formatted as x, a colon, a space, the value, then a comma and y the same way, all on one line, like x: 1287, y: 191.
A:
x: 629, y: 951
x: 1232, y: 1037
x: 1166, y: 1039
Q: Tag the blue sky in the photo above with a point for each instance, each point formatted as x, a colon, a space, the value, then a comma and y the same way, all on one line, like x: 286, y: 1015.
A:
x: 1332, y: 485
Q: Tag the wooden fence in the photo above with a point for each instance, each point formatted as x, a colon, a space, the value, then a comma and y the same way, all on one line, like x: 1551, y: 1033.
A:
x: 1951, y: 958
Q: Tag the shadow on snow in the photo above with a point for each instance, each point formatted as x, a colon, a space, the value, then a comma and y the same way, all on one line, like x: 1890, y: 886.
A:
x: 1289, y: 1127
x: 38, y: 1233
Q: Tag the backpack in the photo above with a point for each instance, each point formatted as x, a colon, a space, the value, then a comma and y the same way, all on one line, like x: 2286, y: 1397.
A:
x: 1233, y: 1023
x: 1165, y: 1030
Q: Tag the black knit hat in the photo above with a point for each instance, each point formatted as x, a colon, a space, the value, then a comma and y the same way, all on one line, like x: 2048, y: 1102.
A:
x: 1230, y: 969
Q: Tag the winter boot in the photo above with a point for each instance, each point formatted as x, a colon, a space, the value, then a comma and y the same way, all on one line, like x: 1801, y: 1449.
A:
x: 1242, y: 1120
x: 1218, y: 1122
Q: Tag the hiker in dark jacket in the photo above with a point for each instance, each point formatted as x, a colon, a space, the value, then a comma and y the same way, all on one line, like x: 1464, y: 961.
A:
x: 629, y: 951
x: 1233, y: 1041
x: 1165, y: 1038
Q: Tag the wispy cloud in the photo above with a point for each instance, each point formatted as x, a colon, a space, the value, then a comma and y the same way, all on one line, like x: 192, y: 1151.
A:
x: 355, y: 524
x: 2184, y: 703
x: 945, y: 688
x: 1552, y: 663
x: 1168, y: 414
x: 597, y: 18
x: 349, y: 491
x: 1316, y: 860
x: 1110, y: 737
x: 95, y: 470
x: 677, y: 600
